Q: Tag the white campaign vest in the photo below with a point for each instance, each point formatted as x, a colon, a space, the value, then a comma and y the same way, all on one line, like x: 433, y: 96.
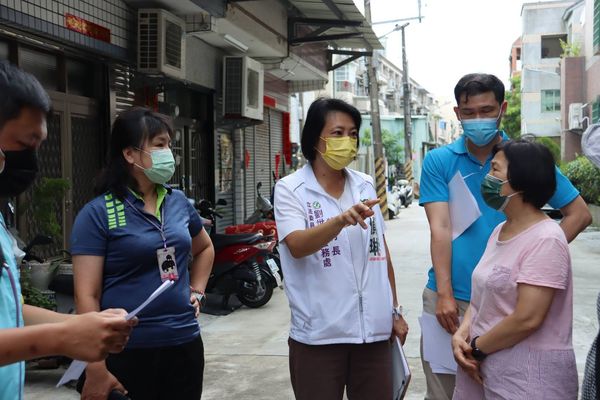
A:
x: 329, y: 303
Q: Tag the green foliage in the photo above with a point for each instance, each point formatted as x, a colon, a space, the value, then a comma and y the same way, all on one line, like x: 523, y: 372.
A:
x: 511, y: 122
x: 570, y: 49
x: 46, y: 199
x: 552, y: 146
x: 394, y: 150
x: 32, y: 295
x: 586, y: 178
x: 365, y: 139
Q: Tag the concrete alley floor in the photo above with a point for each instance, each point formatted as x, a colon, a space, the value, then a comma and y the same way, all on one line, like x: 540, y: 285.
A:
x: 246, y: 351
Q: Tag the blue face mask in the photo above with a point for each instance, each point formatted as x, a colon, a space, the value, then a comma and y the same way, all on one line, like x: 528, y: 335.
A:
x: 480, y: 131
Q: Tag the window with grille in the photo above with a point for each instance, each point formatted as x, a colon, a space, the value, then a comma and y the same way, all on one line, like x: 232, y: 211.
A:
x: 342, y: 73
x: 550, y: 100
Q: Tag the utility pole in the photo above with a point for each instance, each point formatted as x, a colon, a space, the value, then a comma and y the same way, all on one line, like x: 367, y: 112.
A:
x: 380, y: 175
x: 407, y: 113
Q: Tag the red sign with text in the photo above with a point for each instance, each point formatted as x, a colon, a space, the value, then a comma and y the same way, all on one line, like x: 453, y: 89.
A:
x: 87, y: 28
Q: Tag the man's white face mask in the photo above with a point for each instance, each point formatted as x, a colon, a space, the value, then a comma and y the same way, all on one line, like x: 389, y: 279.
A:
x: 590, y: 143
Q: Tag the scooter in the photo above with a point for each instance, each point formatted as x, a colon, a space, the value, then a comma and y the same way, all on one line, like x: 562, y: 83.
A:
x: 264, y: 209
x: 261, y: 221
x: 393, y: 202
x: 243, y: 264
x: 406, y: 194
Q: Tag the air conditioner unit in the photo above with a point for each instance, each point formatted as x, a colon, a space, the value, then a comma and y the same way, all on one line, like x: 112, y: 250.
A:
x: 161, y: 43
x: 243, y: 85
x: 575, y: 116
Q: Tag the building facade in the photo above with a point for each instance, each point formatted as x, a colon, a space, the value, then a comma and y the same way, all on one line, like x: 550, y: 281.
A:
x: 580, y: 69
x: 97, y: 59
x: 543, y: 32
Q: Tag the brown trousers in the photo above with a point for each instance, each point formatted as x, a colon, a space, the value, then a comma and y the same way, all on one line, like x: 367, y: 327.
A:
x: 322, y: 372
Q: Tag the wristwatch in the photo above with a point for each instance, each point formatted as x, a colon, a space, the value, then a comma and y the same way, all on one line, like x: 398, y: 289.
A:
x: 397, y: 312
x: 200, y: 296
x: 476, y: 352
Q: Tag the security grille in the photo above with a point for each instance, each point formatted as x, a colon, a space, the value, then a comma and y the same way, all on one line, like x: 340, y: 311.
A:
x: 87, y: 158
x: 50, y: 164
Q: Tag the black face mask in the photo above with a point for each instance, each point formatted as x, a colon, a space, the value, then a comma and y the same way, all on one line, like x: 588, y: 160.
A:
x: 20, y: 170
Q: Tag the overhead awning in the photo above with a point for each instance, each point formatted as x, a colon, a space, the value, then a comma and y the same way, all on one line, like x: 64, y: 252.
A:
x: 338, y: 22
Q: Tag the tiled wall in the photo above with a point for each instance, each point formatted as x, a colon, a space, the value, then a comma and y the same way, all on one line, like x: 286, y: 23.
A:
x: 48, y: 17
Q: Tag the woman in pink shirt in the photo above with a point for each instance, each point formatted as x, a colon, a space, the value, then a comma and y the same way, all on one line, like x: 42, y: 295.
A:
x: 515, y: 338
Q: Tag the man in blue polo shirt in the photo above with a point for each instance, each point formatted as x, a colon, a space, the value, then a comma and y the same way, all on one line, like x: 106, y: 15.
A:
x: 480, y: 107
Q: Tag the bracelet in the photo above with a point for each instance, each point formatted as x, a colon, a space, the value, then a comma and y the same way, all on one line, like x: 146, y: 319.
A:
x: 194, y: 290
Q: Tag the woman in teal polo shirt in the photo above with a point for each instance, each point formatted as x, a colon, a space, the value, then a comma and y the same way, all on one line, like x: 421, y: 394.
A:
x: 136, y: 234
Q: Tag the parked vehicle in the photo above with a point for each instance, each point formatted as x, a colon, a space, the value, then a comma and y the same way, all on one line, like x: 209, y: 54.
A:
x: 261, y: 221
x: 393, y: 201
x: 244, y: 265
x: 264, y: 208
x: 405, y: 193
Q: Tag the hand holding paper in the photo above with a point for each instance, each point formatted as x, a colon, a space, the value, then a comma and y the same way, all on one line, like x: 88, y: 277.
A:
x: 77, y: 367
x: 437, y: 345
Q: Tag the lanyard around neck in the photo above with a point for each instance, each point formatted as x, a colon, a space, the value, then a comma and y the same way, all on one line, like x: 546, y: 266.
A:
x: 161, y: 227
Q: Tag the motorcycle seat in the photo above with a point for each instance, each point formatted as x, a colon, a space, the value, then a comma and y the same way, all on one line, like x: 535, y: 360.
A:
x: 220, y: 241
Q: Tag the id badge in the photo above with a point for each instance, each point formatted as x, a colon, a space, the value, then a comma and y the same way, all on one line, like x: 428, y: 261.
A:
x: 167, y: 265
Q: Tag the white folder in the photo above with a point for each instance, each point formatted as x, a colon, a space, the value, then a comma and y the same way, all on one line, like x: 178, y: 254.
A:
x: 400, y: 371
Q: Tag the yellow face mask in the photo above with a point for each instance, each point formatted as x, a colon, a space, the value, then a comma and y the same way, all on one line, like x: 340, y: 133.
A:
x: 339, y: 151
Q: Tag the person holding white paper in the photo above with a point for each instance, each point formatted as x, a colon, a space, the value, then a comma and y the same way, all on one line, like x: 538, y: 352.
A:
x: 28, y: 332
x: 137, y: 234
x: 480, y: 107
x: 515, y: 341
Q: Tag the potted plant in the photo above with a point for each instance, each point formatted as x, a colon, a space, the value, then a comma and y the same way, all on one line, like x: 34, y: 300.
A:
x: 36, y: 276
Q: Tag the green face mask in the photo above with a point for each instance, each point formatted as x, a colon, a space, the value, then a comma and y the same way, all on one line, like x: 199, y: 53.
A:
x: 490, y: 190
x: 163, y: 166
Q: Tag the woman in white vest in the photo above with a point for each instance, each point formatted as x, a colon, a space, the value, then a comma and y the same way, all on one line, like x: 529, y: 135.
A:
x: 339, y: 277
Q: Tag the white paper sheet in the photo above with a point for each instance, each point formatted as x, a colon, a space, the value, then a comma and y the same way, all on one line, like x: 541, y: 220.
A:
x: 462, y: 204
x: 400, y: 370
x: 77, y: 367
x: 440, y: 369
x: 437, y: 345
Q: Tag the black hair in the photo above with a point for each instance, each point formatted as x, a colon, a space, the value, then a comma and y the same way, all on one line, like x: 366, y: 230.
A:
x: 474, y: 84
x: 18, y: 90
x: 531, y: 170
x: 132, y: 128
x: 315, y: 121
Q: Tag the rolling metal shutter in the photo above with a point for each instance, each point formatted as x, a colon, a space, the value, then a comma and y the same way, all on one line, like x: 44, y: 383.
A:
x: 276, y: 143
x: 263, y: 165
x: 249, y: 186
